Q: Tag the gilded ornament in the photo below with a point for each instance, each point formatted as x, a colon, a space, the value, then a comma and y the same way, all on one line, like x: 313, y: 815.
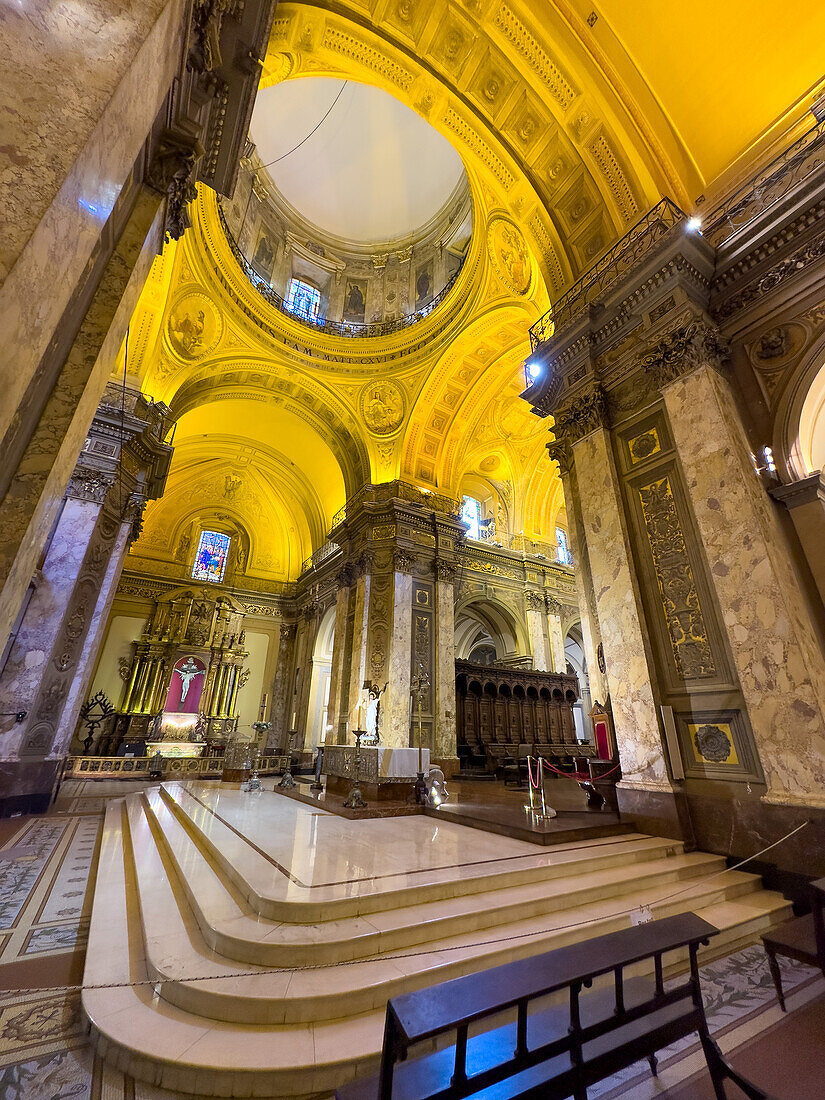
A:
x: 713, y: 743
x: 680, y: 599
x: 644, y: 446
x: 509, y: 255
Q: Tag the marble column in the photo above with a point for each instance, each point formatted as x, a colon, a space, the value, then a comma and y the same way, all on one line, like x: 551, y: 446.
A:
x: 556, y: 635
x: 303, y: 662
x: 47, y: 653
x: 445, y: 749
x: 771, y: 636
x: 561, y: 453
x: 537, y: 631
x: 805, y: 500
x: 396, y: 720
x: 282, y: 689
x: 94, y: 636
x: 339, y: 654
x: 629, y: 668
x: 354, y: 689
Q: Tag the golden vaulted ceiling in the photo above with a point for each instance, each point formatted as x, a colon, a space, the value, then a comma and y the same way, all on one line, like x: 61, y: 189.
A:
x: 570, y: 125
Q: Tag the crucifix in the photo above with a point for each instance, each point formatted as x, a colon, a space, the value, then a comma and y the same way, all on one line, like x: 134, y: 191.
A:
x: 418, y: 685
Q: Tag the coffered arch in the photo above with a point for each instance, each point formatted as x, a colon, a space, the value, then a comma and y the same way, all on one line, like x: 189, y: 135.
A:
x: 523, y: 103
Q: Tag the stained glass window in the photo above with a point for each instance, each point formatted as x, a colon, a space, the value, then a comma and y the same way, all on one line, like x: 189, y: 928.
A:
x: 303, y: 299
x: 564, y: 554
x: 471, y: 517
x: 210, y: 560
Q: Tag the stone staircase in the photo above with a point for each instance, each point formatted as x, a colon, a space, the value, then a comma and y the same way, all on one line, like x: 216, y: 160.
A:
x: 269, y: 934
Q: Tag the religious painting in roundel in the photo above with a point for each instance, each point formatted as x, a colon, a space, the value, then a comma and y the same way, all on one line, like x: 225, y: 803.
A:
x: 509, y: 255
x: 194, y: 328
x: 186, y: 685
x: 382, y: 407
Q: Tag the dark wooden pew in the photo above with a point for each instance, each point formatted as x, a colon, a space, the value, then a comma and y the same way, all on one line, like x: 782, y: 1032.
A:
x: 442, y: 1043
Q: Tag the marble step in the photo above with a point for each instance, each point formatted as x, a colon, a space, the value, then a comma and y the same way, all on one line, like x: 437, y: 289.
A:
x: 176, y: 951
x: 159, y: 1043
x: 232, y: 928
x: 271, y: 890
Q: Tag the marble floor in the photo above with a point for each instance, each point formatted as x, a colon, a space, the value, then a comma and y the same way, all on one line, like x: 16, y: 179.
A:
x: 45, y: 1050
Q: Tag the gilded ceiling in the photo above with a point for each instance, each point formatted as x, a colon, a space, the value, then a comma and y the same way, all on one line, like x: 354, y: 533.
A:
x: 565, y: 145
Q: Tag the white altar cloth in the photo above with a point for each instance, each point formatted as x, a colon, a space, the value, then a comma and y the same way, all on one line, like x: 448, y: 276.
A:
x: 400, y: 763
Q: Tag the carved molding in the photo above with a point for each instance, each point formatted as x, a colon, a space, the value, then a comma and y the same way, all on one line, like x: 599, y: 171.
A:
x: 584, y: 416
x: 172, y: 173
x: 89, y: 483
x: 404, y: 561
x: 445, y: 570
x: 684, y: 350
x: 560, y: 451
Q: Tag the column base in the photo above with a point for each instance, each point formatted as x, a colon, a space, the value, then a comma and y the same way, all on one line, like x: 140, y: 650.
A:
x: 450, y: 765
x: 663, y: 812
x: 27, y: 786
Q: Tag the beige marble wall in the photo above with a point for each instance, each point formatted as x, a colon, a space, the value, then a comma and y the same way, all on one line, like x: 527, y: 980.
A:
x: 781, y: 669
x: 28, y: 510
x: 396, y: 722
x: 444, y: 740
x: 83, y: 85
x: 557, y: 643
x: 620, y: 621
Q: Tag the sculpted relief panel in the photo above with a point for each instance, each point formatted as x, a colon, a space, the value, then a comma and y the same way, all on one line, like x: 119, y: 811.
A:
x: 382, y: 407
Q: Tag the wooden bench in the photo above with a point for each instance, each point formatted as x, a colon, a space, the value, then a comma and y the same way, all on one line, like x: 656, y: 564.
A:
x: 802, y: 939
x: 547, y: 1051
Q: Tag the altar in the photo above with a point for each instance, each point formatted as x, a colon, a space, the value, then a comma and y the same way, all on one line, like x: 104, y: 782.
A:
x: 385, y: 774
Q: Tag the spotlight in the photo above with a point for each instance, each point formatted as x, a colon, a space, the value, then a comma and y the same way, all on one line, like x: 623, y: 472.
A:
x: 533, y: 370
x: 694, y: 225
x: 767, y: 455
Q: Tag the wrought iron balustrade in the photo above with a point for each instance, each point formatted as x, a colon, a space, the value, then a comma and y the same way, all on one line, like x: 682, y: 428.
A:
x: 792, y: 167
x: 323, y: 325
x: 319, y: 556
x: 638, y: 240
x: 397, y: 490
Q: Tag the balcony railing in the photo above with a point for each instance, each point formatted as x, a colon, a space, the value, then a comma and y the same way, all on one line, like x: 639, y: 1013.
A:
x: 322, y: 324
x: 396, y: 490
x: 638, y: 240
x: 320, y: 555
x: 792, y: 167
